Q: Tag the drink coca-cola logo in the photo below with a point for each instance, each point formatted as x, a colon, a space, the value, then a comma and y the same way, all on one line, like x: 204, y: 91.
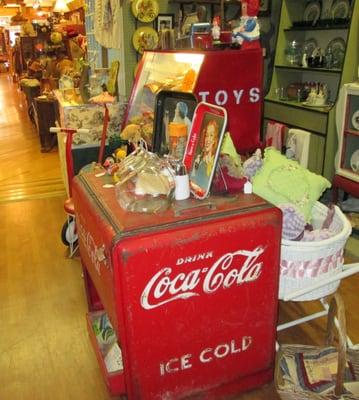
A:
x: 237, y: 268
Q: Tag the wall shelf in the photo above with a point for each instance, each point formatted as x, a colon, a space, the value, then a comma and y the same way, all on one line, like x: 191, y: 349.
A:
x: 320, y: 122
x: 316, y: 28
x: 306, y: 69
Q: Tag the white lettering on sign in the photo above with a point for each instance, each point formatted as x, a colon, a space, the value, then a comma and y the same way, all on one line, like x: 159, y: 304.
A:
x: 207, y: 355
x: 238, y: 95
x: 176, y: 364
x: 254, y: 95
x: 191, y: 144
x: 231, y: 269
x: 89, y: 243
x: 222, y: 97
x: 191, y: 259
x: 203, y: 95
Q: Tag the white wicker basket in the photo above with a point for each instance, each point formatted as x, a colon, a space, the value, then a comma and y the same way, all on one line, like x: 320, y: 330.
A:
x: 326, y: 255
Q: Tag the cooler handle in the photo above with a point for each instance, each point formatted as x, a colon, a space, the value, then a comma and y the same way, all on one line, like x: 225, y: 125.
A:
x: 194, y: 207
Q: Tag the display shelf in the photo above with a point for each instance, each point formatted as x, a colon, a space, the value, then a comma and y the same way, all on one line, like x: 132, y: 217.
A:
x: 351, y: 132
x: 347, y: 160
x: 285, y: 75
x: 316, y: 28
x: 311, y: 69
x: 296, y: 104
x: 115, y: 381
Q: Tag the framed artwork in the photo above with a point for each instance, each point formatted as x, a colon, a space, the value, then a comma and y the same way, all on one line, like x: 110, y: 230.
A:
x: 203, y: 147
x: 164, y: 21
x: 264, y: 8
x: 173, y: 117
x: 188, y: 21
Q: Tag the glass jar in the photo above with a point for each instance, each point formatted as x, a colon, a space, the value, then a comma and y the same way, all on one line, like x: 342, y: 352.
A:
x: 177, y: 133
x: 293, y: 53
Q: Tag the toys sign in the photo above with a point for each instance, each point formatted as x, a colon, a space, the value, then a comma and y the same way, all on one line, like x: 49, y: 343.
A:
x: 233, y: 80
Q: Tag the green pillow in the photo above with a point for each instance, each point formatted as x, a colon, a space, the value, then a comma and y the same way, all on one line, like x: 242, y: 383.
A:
x: 282, y: 181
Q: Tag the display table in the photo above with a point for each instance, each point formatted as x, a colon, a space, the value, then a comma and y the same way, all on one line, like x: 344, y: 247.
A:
x: 192, y: 293
x: 89, y: 116
x: 46, y: 114
x: 30, y: 91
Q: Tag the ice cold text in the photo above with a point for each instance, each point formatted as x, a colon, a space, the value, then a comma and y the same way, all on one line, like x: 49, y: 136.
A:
x: 207, y: 355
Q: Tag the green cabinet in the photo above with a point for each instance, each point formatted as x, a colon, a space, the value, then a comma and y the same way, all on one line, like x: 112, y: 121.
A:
x: 292, y: 76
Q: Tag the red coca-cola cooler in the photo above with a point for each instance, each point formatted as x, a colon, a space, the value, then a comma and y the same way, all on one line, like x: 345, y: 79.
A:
x: 191, y: 292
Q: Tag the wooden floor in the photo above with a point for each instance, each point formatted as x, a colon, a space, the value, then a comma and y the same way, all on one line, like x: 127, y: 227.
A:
x: 45, y: 353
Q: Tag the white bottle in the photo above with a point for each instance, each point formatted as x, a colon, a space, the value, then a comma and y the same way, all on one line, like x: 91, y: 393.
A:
x: 182, y: 191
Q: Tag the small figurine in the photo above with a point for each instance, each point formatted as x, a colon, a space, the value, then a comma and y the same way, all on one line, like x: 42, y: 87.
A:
x: 216, y: 28
x: 248, y: 29
x: 110, y: 166
x: 305, y: 59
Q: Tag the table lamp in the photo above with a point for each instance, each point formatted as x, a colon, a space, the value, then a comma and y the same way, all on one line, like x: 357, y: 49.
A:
x: 61, y: 7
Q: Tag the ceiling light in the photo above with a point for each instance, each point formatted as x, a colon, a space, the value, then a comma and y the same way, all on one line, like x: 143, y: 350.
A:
x: 61, y: 6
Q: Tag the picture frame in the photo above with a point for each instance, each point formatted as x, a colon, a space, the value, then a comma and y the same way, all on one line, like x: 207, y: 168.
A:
x: 172, y: 107
x: 164, y: 21
x: 264, y: 8
x: 203, y: 147
x: 188, y: 20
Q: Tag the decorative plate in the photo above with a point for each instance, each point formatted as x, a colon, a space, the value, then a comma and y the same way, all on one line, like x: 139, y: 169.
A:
x: 145, y: 38
x: 309, y: 46
x: 354, y: 161
x: 145, y: 10
x: 355, y: 120
x: 340, y: 9
x: 326, y: 9
x: 338, y: 49
x: 312, y: 12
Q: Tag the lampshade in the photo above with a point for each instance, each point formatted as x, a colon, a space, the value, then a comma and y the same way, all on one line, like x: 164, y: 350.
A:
x: 61, y: 6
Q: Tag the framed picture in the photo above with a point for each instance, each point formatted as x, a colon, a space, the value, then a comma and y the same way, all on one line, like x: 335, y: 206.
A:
x: 203, y: 146
x: 264, y: 8
x: 188, y: 21
x: 172, y: 122
x: 164, y: 21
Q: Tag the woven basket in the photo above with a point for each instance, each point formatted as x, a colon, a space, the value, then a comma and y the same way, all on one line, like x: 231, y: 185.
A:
x: 314, y: 261
x: 292, y: 392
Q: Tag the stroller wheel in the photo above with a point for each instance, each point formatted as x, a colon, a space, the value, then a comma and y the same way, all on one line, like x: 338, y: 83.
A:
x: 68, y: 232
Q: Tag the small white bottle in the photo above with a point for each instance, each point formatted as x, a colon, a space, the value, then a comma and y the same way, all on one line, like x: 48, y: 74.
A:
x: 182, y: 191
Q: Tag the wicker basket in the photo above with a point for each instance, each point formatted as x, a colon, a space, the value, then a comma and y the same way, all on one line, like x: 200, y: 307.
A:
x: 292, y: 392
x: 313, y: 261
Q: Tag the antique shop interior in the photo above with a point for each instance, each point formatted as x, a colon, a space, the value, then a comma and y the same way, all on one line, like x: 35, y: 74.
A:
x: 179, y: 199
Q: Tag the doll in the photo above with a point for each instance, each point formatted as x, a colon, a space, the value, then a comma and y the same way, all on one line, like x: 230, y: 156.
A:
x: 216, y: 29
x: 248, y: 29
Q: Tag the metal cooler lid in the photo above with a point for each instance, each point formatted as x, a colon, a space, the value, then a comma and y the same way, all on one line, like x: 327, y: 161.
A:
x: 181, y: 212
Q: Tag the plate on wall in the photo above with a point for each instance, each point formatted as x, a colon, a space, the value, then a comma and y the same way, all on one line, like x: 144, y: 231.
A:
x: 338, y: 49
x: 354, y: 161
x: 312, y: 12
x: 340, y: 9
x: 355, y: 120
x: 309, y: 46
x: 145, y: 10
x: 145, y: 38
x: 326, y: 9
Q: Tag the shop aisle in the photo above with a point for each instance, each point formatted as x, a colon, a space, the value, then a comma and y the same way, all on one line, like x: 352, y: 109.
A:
x: 25, y: 172
x: 44, y: 348
x: 45, y: 352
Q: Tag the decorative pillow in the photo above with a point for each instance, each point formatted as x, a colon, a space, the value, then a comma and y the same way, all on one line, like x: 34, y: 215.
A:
x: 285, y: 181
